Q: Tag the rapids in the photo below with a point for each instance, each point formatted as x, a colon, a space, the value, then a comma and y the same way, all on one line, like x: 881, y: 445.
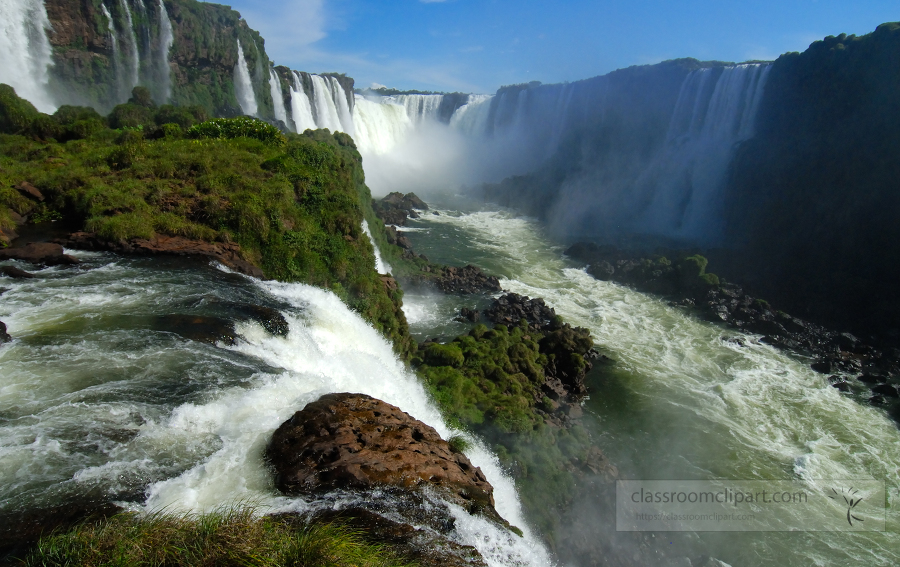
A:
x: 101, y: 401
x: 685, y: 399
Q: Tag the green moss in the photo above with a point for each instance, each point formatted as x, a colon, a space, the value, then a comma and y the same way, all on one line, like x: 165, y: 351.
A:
x: 294, y: 204
x: 227, y: 537
x: 16, y: 114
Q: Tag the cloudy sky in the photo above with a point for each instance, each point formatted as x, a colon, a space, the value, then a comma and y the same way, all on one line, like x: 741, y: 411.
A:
x: 478, y: 45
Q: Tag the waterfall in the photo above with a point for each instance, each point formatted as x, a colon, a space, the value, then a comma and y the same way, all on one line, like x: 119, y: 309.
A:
x: 420, y: 107
x: 116, y: 56
x: 471, y: 118
x: 243, y: 88
x: 25, y: 50
x: 342, y: 105
x: 381, y: 266
x: 716, y: 110
x: 132, y: 48
x: 379, y: 126
x: 277, y: 97
x: 166, y: 39
x: 326, y: 111
x: 301, y: 109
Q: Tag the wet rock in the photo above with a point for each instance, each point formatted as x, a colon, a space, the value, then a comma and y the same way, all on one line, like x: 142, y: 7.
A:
x: 198, y: 328
x: 20, y: 530
x: 466, y: 280
x: 822, y: 366
x: 396, y: 208
x: 228, y: 253
x: 39, y: 253
x: 870, y: 379
x: 839, y: 382
x: 30, y: 191
x: 510, y: 308
x: 470, y: 315
x: 886, y: 390
x: 4, y: 336
x: 427, y: 548
x: 15, y: 272
x: 271, y: 319
x: 353, y: 441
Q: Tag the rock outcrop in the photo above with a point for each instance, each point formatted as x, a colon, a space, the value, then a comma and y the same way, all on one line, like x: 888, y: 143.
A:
x: 39, y: 253
x: 353, y: 441
x: 228, y: 253
x: 4, y: 336
x: 396, y: 208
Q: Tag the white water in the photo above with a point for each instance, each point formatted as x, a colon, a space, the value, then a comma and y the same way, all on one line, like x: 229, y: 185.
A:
x: 25, y: 51
x: 243, y: 87
x: 166, y: 40
x: 132, y: 48
x: 98, y: 400
x: 277, y: 99
x: 420, y: 108
x: 116, y: 55
x: 328, y: 114
x: 381, y: 266
x: 685, y: 182
x: 695, y: 405
x: 301, y: 109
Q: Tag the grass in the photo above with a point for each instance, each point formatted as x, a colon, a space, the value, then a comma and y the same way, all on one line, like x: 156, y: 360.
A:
x: 232, y: 536
x: 294, y: 203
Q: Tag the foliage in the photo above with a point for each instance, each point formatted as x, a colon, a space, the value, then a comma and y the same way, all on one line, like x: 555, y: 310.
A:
x: 489, y: 381
x: 16, y: 114
x: 230, y: 128
x: 294, y: 205
x: 233, y: 536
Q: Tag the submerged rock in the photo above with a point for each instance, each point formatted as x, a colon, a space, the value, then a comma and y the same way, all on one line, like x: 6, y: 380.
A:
x: 15, y: 272
x: 354, y: 441
x: 4, y: 336
x: 198, y: 328
x: 39, y: 253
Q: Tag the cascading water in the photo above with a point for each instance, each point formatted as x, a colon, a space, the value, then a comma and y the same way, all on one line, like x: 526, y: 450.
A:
x: 166, y: 40
x: 301, y: 109
x: 25, y: 51
x: 420, y: 107
x: 103, y: 399
x: 686, y: 399
x: 243, y: 87
x: 685, y: 182
x: 277, y: 98
x: 380, y: 265
x: 134, y: 64
x: 121, y: 89
x: 323, y: 97
x: 471, y: 118
x: 379, y: 126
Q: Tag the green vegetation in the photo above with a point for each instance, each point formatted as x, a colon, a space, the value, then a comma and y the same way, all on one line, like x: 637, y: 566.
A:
x: 294, y: 204
x: 489, y: 381
x: 228, y: 537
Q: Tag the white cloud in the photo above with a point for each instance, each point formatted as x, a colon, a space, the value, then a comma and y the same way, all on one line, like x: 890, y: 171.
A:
x: 289, y: 27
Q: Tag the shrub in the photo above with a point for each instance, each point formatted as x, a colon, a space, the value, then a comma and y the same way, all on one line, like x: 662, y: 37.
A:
x: 16, y: 114
x: 130, y: 116
x: 444, y: 355
x: 241, y: 127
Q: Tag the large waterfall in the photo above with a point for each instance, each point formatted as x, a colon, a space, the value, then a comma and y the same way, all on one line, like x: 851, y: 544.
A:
x: 166, y: 40
x: 25, y: 50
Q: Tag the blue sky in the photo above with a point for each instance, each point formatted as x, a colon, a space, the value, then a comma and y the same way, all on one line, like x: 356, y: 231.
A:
x: 479, y: 45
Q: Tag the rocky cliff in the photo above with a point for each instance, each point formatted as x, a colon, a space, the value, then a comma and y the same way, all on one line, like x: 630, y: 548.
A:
x: 184, y: 51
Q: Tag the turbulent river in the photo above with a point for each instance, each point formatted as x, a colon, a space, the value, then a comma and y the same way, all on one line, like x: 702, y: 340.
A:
x: 101, y: 401
x: 685, y: 399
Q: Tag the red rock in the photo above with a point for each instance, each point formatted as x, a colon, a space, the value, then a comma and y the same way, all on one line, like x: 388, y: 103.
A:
x: 357, y: 442
x: 30, y: 190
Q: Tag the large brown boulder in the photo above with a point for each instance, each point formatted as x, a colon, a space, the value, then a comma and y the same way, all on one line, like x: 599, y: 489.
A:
x: 354, y: 441
x: 45, y: 253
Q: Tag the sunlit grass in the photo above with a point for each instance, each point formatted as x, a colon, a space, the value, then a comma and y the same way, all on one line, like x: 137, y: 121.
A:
x: 231, y: 536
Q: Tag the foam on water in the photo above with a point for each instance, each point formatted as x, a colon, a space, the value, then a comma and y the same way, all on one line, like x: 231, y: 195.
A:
x: 96, y: 401
x: 709, y: 407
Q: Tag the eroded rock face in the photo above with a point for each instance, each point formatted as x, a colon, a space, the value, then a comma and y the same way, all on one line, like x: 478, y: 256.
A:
x: 229, y: 253
x: 354, y: 441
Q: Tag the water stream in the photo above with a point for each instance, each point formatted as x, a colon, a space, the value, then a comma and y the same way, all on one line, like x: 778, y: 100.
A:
x: 686, y: 400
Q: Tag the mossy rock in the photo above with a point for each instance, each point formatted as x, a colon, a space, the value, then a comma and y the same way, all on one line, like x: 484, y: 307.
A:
x: 16, y: 114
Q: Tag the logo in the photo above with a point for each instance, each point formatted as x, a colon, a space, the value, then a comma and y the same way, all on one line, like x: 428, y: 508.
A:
x: 849, y: 497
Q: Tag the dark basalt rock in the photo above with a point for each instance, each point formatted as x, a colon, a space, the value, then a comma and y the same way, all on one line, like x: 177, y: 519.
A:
x: 229, y: 253
x: 396, y: 208
x: 198, y: 328
x: 886, y: 390
x: 510, y: 308
x: 469, y: 315
x: 353, y: 441
x: 16, y: 273
x: 466, y: 280
x: 39, y: 253
x: 4, y: 336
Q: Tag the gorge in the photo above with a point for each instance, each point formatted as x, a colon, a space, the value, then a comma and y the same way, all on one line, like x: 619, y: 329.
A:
x: 783, y: 173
